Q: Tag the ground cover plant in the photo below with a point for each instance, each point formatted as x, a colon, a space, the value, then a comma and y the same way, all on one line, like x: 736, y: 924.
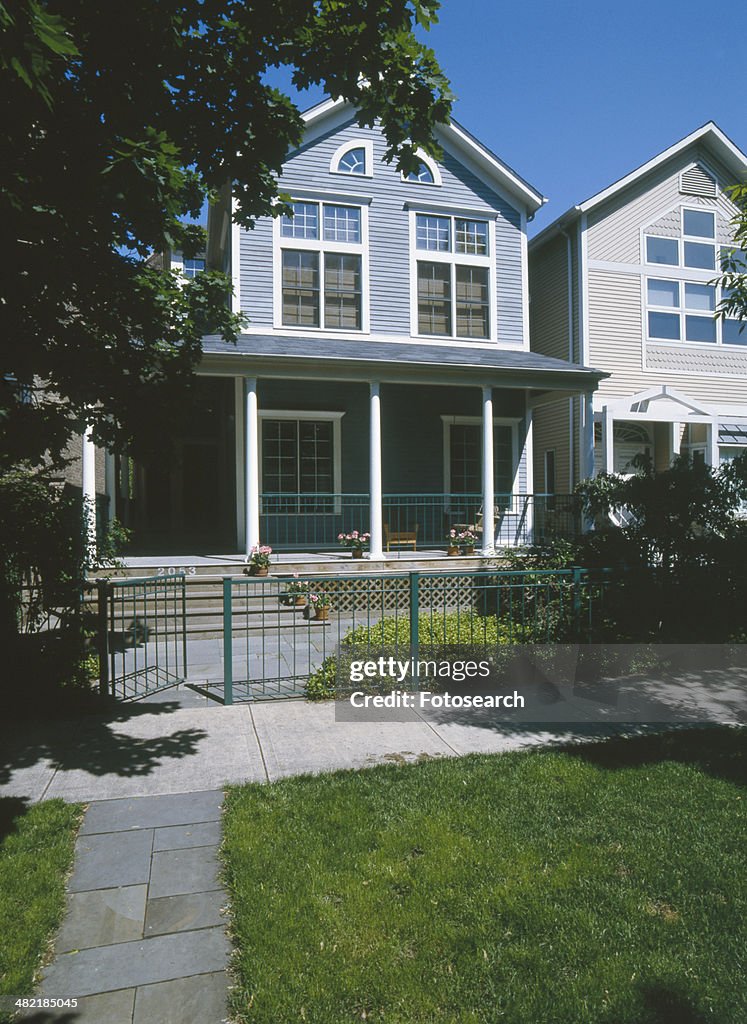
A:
x: 603, y: 883
x: 36, y: 854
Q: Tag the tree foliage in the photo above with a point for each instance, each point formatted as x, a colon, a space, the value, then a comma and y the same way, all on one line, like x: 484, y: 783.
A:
x: 120, y: 120
x: 733, y: 279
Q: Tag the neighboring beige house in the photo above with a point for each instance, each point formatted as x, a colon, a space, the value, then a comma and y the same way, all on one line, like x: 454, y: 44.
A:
x: 625, y: 282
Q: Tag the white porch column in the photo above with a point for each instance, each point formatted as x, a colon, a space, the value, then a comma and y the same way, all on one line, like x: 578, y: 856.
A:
x: 375, y: 493
x: 608, y: 440
x: 587, y: 445
x: 675, y: 439
x: 488, y: 482
x: 712, y: 456
x: 88, y: 486
x: 110, y: 485
x: 251, y: 473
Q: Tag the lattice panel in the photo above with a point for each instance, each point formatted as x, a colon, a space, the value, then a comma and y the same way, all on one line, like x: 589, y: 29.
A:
x: 446, y: 593
x: 367, y: 595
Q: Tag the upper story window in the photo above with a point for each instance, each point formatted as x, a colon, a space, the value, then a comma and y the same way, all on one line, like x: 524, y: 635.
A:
x: 353, y: 161
x: 193, y: 267
x: 682, y: 307
x: 353, y: 157
x: 423, y: 174
x: 453, y: 284
x: 321, y: 267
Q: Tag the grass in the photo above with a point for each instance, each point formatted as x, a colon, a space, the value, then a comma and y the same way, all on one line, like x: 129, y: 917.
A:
x: 36, y: 854
x: 604, y: 883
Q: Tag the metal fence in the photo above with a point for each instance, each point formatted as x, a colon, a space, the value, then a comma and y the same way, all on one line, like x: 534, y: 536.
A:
x: 312, y: 522
x: 142, y: 634
x: 277, y: 632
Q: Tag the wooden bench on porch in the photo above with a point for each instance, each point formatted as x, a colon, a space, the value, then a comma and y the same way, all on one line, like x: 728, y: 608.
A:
x: 401, y: 538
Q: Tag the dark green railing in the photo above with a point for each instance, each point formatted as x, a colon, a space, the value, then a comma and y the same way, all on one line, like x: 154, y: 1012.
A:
x: 312, y: 522
x: 142, y: 634
x: 274, y: 640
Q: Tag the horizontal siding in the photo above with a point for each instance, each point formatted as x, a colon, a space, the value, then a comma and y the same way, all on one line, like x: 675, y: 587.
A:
x: 551, y: 433
x: 256, y: 273
x: 548, y: 304
x: 615, y: 339
x: 614, y: 228
x: 389, y: 256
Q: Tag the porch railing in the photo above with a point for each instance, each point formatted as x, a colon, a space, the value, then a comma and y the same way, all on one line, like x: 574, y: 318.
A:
x: 312, y: 522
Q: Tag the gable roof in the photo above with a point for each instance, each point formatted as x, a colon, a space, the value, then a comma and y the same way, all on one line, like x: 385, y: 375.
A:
x: 708, y: 135
x: 489, y: 167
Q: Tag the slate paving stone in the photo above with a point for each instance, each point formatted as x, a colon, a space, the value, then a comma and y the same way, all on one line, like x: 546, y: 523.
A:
x: 131, y: 964
x: 102, y: 917
x: 107, y: 1008
x: 184, y: 913
x: 174, y: 872
x: 179, y: 837
x: 152, y: 812
x: 111, y: 861
x: 196, y: 1000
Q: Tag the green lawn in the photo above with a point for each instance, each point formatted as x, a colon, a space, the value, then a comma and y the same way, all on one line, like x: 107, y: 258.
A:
x: 36, y: 854
x: 604, y: 884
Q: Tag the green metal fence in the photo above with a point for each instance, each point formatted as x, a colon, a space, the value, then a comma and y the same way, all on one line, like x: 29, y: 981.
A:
x: 278, y: 631
x: 142, y: 634
x: 312, y: 522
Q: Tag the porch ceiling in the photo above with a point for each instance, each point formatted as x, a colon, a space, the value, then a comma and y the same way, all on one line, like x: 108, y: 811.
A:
x: 329, y: 358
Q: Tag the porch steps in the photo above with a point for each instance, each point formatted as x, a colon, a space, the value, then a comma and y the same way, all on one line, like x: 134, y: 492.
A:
x: 204, y: 589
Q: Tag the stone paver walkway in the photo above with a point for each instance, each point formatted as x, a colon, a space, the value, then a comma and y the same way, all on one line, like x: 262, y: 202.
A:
x: 143, y: 941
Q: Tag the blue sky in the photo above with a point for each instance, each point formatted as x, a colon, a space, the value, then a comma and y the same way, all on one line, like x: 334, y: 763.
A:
x: 574, y: 95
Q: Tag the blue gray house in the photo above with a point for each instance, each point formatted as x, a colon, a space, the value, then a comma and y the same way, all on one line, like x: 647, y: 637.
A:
x: 385, y: 381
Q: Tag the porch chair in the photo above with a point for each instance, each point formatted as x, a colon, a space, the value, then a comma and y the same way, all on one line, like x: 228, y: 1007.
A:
x: 401, y: 538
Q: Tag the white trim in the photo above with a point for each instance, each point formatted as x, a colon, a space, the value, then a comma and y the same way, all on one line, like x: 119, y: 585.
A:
x: 498, y: 421
x: 332, y: 196
x: 583, y: 291
x: 314, y: 416
x: 449, y: 209
x: 432, y: 166
x: 240, y: 460
x: 523, y: 245
x: 366, y: 145
x: 235, y: 257
x: 321, y: 246
x: 453, y: 259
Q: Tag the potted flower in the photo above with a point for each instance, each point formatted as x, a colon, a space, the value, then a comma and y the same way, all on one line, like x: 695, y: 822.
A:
x: 467, y: 541
x: 356, y: 541
x: 452, y: 542
x: 295, y: 593
x: 259, y: 560
x: 320, y: 602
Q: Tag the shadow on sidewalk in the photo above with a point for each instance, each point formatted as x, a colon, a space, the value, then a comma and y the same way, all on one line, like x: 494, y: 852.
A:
x: 94, y: 744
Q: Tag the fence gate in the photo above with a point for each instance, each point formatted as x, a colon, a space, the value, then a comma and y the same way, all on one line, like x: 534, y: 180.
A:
x: 142, y: 633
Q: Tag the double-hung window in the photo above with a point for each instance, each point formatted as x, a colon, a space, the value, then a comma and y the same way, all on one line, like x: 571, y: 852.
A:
x: 453, y: 276
x: 321, y: 254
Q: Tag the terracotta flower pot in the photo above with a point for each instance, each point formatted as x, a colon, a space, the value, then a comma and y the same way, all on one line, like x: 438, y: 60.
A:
x: 452, y: 550
x: 258, y: 570
x: 357, y: 553
x: 468, y: 550
x: 321, y: 614
x: 300, y: 601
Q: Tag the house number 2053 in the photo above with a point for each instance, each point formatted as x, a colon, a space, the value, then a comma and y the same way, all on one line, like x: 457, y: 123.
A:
x: 173, y: 570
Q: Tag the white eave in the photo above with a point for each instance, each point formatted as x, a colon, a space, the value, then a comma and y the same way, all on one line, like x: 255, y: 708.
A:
x: 494, y: 170
x: 709, y: 134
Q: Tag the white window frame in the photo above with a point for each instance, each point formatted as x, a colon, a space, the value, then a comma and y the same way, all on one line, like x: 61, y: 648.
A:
x: 432, y: 166
x: 682, y: 275
x: 453, y: 259
x: 498, y: 421
x: 320, y: 246
x: 366, y: 145
x: 312, y: 417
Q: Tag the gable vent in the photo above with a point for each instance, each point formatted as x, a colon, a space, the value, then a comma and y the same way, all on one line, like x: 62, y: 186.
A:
x: 696, y: 181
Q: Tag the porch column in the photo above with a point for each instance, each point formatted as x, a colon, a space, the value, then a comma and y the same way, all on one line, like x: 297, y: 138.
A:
x: 88, y: 487
x: 712, y: 457
x: 252, y: 465
x: 376, y: 497
x: 488, y: 483
x: 587, y: 446
x: 110, y: 485
x: 608, y: 441
x: 675, y: 443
